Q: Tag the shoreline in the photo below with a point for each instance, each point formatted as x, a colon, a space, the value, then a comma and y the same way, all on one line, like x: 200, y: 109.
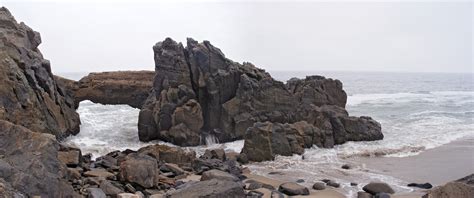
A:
x: 329, y: 192
x: 436, y: 166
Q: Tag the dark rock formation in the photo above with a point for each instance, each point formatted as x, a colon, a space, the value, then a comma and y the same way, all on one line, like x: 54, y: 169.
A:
x: 119, y: 87
x: 265, y: 140
x: 461, y: 188
x: 224, y: 98
x: 29, y: 162
x: 29, y: 94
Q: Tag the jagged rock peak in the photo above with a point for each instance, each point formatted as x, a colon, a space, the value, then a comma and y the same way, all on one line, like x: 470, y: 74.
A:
x: 29, y: 95
x: 229, y: 97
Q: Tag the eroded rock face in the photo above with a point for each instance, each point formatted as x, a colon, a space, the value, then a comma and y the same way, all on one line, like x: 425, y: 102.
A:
x: 29, y: 94
x: 227, y: 98
x: 118, y: 87
x: 30, y: 164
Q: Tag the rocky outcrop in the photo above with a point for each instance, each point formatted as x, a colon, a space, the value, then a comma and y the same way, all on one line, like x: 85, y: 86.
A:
x: 29, y: 94
x: 29, y: 162
x: 265, y: 140
x: 119, y: 87
x: 198, y: 92
x: 461, y: 188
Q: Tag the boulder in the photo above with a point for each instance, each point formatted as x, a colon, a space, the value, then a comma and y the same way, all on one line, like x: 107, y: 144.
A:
x: 167, y: 154
x: 292, y: 189
x: 319, y: 186
x: 210, y: 188
x: 140, y: 169
x: 30, y: 164
x: 29, y: 94
x: 118, y: 87
x: 333, y: 184
x: 217, y: 174
x: 461, y: 188
x: 378, y: 187
x: 265, y: 140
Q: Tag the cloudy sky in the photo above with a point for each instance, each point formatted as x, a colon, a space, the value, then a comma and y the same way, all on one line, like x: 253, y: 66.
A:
x: 307, y: 36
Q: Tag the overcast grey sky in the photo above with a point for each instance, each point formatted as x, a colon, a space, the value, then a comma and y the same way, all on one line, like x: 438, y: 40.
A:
x: 354, y: 36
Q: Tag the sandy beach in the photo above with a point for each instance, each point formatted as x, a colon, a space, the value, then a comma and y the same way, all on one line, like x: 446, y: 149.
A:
x: 329, y: 192
x: 436, y: 166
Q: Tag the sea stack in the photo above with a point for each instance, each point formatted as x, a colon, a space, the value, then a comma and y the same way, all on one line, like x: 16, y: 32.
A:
x: 198, y: 92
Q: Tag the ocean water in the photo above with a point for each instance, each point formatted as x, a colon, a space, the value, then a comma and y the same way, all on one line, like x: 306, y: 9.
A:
x: 418, y: 111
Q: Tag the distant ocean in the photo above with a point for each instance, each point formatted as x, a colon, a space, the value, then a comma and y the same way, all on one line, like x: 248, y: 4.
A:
x: 418, y: 111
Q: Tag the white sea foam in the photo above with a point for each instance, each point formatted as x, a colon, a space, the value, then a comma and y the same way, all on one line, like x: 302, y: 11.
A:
x: 106, y: 128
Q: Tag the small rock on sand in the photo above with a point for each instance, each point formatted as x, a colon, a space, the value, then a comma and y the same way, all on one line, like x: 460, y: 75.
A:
x: 378, y: 187
x: 291, y: 189
x: 424, y: 186
x: 319, y: 186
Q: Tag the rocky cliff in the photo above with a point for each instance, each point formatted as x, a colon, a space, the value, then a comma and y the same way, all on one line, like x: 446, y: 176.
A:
x: 199, y: 92
x: 119, y: 87
x: 29, y: 94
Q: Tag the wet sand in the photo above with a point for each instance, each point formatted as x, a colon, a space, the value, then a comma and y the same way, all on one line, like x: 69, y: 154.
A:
x: 436, y: 166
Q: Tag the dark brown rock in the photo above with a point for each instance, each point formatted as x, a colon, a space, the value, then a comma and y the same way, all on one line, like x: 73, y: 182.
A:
x: 140, y: 169
x: 318, y: 90
x: 29, y: 94
x: 30, y: 164
x: 169, y: 154
x: 69, y: 155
